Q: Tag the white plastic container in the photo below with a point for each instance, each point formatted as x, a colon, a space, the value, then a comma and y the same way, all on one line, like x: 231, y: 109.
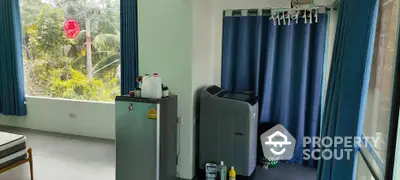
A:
x: 152, y: 87
x: 157, y: 86
x: 146, y: 85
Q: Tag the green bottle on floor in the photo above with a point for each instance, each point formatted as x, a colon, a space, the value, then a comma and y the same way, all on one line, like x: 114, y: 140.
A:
x: 223, y: 171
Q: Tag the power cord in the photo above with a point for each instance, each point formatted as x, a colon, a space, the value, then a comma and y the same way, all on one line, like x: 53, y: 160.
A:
x: 179, y: 136
x: 178, y: 153
x: 294, y: 3
x: 312, y: 3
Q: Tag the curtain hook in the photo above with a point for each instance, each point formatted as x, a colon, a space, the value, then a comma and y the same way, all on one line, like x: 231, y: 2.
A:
x: 305, y: 16
x: 273, y: 18
x: 289, y: 18
x: 310, y: 16
x: 279, y: 20
x: 284, y: 18
x: 296, y: 17
x: 316, y: 16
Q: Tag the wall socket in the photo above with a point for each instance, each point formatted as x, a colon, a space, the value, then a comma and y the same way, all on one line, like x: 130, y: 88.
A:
x: 179, y: 120
x: 72, y: 115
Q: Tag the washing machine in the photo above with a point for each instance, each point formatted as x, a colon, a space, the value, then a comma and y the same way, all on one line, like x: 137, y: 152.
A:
x: 228, y: 129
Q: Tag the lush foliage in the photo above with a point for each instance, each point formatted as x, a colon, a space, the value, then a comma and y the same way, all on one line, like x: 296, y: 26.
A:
x: 82, y: 68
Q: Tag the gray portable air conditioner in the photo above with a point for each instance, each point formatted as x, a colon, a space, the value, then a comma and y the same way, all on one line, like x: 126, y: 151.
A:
x: 228, y: 129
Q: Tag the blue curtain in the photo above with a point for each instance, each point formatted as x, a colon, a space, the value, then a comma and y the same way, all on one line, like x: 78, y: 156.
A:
x: 348, y: 82
x: 12, y: 94
x: 129, y: 45
x: 283, y: 65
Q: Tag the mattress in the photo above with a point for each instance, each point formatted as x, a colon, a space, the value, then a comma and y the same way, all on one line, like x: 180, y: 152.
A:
x: 12, y: 148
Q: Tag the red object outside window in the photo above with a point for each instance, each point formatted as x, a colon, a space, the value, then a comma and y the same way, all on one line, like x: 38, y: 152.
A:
x: 71, y: 28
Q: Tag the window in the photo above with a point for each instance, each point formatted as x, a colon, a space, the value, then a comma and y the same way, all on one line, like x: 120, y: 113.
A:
x: 363, y: 172
x: 377, y: 112
x: 71, y: 48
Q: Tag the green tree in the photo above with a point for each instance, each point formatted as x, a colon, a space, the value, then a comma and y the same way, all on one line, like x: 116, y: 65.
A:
x: 100, y: 38
x: 45, y: 43
x: 56, y: 66
x: 78, y: 86
x: 45, y: 36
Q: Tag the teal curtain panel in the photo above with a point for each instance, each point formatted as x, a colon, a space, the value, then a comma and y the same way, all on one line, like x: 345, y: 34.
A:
x: 12, y: 94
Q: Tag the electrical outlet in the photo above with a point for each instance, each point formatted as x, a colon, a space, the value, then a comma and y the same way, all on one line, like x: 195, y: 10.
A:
x: 72, y: 115
x: 179, y: 120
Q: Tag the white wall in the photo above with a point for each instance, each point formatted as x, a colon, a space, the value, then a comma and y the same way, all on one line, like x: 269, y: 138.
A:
x: 201, y: 56
x: 333, y: 19
x: 165, y: 46
x: 86, y: 118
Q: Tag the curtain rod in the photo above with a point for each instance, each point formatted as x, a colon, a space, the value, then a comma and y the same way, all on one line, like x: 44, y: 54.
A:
x: 326, y: 8
x: 272, y: 11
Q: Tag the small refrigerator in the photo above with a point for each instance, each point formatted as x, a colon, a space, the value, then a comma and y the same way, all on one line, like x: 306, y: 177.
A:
x: 146, y: 136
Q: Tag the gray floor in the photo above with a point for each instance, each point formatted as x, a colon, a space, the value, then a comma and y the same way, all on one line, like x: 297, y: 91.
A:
x: 283, y: 172
x: 67, y: 157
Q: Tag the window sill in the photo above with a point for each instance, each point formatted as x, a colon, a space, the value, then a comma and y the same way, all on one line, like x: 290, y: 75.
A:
x: 67, y: 100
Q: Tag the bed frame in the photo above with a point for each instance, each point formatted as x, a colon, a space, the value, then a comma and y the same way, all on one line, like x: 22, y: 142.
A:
x: 29, y: 160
